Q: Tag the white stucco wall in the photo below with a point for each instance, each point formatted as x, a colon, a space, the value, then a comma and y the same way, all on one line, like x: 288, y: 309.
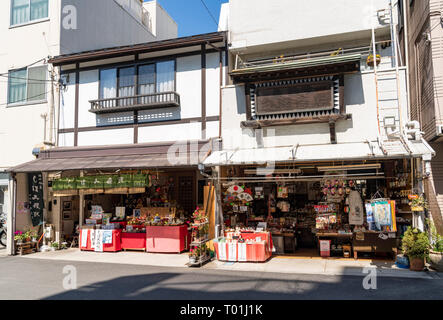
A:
x: 189, y: 85
x: 359, y: 100
x: 258, y: 22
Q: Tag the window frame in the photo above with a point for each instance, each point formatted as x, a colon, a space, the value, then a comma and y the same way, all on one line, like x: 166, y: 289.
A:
x: 27, y: 102
x: 30, y: 21
x: 136, y: 74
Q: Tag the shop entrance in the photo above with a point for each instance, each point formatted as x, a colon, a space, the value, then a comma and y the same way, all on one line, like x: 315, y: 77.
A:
x: 355, y: 209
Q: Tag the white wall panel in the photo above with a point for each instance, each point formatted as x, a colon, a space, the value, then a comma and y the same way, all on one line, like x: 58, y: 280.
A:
x: 212, y: 84
x: 67, y: 102
x: 66, y: 140
x: 106, y: 137
x: 176, y: 132
x: 189, y: 85
x: 88, y: 90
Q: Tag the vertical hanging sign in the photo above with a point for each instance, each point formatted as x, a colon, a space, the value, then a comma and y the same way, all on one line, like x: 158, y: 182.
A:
x: 35, y: 188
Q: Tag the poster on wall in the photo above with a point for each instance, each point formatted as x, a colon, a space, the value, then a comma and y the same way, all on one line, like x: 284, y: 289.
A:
x: 35, y: 191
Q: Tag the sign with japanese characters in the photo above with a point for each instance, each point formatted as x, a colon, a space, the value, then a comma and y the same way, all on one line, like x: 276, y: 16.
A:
x: 35, y: 188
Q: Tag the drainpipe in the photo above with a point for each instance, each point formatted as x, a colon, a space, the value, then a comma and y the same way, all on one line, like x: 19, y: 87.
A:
x: 10, y: 221
x: 406, y: 42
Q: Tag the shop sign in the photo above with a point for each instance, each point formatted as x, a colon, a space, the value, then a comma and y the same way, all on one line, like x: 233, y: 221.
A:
x: 35, y: 191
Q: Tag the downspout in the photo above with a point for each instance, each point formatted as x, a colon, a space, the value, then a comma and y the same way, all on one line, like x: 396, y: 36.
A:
x: 10, y: 222
x: 406, y: 41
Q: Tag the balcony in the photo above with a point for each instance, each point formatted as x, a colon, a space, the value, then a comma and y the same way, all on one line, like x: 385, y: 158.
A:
x: 135, y: 103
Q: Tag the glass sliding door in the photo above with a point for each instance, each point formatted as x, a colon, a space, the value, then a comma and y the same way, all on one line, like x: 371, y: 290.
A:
x: 108, y: 86
x: 165, y: 78
x: 126, y: 86
x: 146, y: 83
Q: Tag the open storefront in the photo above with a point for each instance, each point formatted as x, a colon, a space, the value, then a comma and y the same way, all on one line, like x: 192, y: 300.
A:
x: 348, y: 208
x: 110, y: 203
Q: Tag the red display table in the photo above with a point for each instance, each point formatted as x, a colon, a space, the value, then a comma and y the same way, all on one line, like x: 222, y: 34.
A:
x: 259, y: 251
x: 133, y: 241
x: 107, y: 247
x: 166, y: 239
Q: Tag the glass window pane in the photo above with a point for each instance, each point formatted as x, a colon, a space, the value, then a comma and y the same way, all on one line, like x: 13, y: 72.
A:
x: 39, y: 9
x: 17, y: 86
x: 126, y: 85
x: 19, y: 11
x: 108, y: 83
x: 146, y: 79
x: 37, y: 83
x: 165, y: 76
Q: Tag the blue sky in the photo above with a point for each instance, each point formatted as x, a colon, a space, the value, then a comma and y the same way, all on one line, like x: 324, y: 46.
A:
x: 191, y: 16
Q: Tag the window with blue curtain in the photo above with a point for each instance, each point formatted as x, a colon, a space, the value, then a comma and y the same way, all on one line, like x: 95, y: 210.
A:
x: 24, y: 11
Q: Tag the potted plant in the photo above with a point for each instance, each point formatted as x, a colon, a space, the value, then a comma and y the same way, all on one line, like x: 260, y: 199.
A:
x: 418, y: 203
x: 436, y: 252
x: 54, y: 246
x: 34, y: 236
x: 18, y: 236
x: 415, y: 245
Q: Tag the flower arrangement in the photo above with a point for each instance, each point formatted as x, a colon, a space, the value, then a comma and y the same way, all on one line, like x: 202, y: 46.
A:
x: 199, y: 216
x: 20, y: 236
x: 419, y: 203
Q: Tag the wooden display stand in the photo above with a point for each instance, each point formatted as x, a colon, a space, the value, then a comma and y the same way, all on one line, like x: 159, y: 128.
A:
x: 26, y: 248
x: 374, y: 244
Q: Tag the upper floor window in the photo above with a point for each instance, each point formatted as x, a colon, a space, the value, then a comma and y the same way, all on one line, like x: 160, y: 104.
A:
x: 24, y: 11
x: 139, y: 87
x: 27, y: 85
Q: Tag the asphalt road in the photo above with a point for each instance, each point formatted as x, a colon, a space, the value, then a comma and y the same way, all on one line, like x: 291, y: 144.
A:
x: 29, y: 279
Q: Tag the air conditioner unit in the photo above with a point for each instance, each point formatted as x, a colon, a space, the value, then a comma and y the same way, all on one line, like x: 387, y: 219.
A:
x: 440, y: 130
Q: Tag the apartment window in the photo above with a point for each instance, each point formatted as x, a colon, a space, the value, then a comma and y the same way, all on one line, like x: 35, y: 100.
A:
x: 27, y: 85
x: 152, y: 78
x: 24, y: 11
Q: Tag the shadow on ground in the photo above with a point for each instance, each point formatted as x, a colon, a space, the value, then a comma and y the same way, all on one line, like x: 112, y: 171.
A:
x: 224, y: 286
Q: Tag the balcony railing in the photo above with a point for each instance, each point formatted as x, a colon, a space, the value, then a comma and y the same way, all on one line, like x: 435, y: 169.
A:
x: 133, y: 103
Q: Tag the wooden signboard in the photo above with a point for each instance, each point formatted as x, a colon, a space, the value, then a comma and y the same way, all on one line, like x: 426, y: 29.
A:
x: 298, y: 97
x: 36, y: 203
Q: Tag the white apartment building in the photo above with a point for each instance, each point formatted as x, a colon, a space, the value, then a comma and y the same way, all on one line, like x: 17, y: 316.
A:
x: 32, y: 31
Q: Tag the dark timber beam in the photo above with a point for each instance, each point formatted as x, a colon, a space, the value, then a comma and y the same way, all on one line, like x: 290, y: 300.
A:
x: 258, y: 124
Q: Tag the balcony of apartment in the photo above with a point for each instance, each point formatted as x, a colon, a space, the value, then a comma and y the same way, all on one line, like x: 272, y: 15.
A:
x: 135, y: 103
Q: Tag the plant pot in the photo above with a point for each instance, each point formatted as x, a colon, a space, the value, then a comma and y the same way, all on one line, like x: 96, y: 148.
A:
x: 416, y: 264
x: 436, y: 259
x: 192, y: 259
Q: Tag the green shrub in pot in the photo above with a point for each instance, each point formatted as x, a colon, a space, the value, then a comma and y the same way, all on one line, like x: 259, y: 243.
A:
x: 416, y: 246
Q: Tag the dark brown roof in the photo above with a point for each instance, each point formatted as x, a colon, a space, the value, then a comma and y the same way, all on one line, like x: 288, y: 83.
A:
x: 139, y: 48
x: 119, y: 157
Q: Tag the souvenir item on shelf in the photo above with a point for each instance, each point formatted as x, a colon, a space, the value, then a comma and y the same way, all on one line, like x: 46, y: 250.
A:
x: 235, y: 189
x: 245, y: 196
x: 282, y: 192
x: 356, y: 213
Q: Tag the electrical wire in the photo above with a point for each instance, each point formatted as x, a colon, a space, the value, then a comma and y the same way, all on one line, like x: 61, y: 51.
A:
x: 28, y: 79
x: 25, y: 100
x: 209, y: 12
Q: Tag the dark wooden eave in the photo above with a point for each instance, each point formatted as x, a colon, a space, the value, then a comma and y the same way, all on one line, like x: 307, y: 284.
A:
x: 314, y: 71
x: 258, y: 124
x: 208, y: 38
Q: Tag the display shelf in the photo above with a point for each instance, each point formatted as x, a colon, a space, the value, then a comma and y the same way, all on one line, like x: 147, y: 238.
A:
x: 197, y: 243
